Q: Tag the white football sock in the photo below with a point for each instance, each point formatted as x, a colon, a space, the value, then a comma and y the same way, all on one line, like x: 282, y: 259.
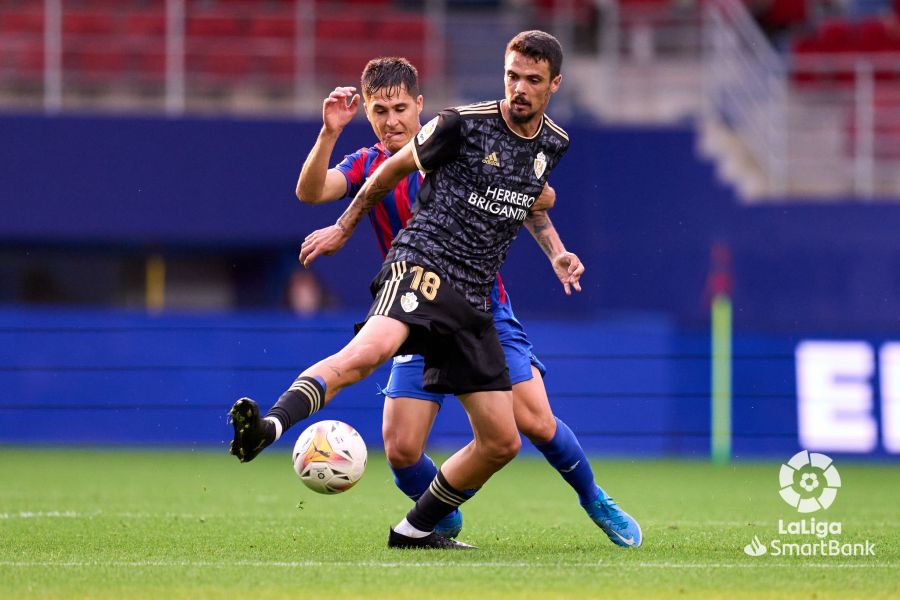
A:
x: 278, y: 428
x: 404, y: 528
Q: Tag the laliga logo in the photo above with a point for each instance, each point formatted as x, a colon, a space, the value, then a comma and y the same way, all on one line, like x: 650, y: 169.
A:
x: 809, y: 481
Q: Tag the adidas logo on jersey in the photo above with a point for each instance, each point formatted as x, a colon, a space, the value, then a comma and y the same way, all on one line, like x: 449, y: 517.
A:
x: 491, y: 159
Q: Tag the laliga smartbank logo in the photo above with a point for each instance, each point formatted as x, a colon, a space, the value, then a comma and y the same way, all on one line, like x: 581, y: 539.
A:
x: 809, y: 482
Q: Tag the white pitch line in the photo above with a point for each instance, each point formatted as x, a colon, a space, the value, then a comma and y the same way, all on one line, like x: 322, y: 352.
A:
x: 53, y: 514
x: 443, y: 564
x: 70, y: 514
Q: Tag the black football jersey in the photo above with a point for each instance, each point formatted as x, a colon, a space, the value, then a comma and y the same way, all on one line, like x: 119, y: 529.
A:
x: 481, y: 179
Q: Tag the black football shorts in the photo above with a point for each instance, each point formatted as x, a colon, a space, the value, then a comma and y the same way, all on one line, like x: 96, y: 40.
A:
x: 459, y: 342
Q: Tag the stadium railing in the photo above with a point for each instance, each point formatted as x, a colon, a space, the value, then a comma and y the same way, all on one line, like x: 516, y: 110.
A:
x: 649, y: 60
x: 241, y: 56
x: 178, y: 55
x: 746, y: 87
x: 819, y: 121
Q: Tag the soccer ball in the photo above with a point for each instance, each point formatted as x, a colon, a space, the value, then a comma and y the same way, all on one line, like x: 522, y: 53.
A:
x: 329, y: 457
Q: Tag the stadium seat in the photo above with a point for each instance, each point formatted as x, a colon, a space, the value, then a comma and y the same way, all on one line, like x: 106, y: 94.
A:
x: 356, y: 3
x: 214, y: 24
x: 273, y: 27
x: 836, y: 35
x: 806, y: 73
x: 108, y: 5
x: 31, y: 21
x: 146, y: 23
x: 87, y: 22
x: 872, y: 36
x: 343, y: 67
x: 342, y: 29
x: 88, y: 66
x: 408, y: 28
x: 219, y: 65
x: 27, y: 64
x: 785, y: 14
x: 279, y: 65
x: 149, y: 65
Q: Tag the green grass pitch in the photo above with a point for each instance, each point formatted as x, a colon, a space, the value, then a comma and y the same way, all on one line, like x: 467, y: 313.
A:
x: 78, y: 523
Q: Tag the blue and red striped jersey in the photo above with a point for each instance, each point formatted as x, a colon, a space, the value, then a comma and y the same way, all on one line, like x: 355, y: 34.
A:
x: 390, y: 215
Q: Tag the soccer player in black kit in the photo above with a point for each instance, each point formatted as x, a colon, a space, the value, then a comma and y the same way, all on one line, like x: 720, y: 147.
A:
x: 487, y: 166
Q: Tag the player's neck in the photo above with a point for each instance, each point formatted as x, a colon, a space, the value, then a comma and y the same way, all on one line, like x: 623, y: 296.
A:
x: 526, y: 130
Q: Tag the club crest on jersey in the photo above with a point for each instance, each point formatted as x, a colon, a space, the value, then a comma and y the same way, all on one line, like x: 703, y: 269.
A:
x: 409, y: 302
x: 426, y: 131
x: 540, y: 164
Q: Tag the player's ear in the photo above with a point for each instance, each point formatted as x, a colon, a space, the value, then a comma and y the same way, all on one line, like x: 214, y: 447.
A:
x: 365, y: 106
x: 554, y: 83
x: 420, y: 104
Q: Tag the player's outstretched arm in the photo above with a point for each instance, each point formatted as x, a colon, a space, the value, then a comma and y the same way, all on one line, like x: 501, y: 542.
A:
x: 566, y: 265
x: 318, y: 183
x: 329, y: 240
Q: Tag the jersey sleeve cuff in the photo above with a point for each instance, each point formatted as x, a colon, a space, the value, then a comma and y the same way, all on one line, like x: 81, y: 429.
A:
x: 415, y: 153
x: 346, y: 181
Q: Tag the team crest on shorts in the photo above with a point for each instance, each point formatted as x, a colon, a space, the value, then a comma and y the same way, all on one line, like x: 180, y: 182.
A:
x: 540, y: 164
x: 409, y: 302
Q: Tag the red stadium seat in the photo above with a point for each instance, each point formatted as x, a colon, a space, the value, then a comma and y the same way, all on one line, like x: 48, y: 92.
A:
x: 87, y: 22
x: 280, y: 65
x: 801, y: 46
x: 214, y: 24
x: 357, y: 3
x: 85, y: 63
x: 872, y: 36
x: 836, y: 35
x: 152, y: 64
x: 846, y: 39
x: 31, y: 21
x: 342, y: 29
x: 103, y: 62
x: 32, y: 59
x: 273, y: 27
x: 219, y: 65
x: 403, y: 27
x: 343, y: 67
x: 783, y: 14
x: 111, y: 5
x: 27, y: 63
x: 146, y: 23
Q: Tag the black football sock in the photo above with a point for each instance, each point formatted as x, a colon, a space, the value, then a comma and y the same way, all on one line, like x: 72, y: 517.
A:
x: 438, y: 501
x: 305, y: 397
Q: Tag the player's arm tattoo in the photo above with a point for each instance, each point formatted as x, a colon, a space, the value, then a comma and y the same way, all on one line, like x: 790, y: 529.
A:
x: 368, y: 196
x: 544, y: 233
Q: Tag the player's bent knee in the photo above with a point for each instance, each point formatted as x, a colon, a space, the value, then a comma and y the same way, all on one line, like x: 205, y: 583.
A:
x: 401, y: 453
x: 538, y: 431
x: 501, y: 451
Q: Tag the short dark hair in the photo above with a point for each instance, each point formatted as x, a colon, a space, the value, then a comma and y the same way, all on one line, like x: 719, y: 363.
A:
x: 538, y: 45
x: 389, y: 74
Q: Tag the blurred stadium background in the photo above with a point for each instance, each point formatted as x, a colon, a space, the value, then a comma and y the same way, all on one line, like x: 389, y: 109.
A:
x: 742, y: 154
